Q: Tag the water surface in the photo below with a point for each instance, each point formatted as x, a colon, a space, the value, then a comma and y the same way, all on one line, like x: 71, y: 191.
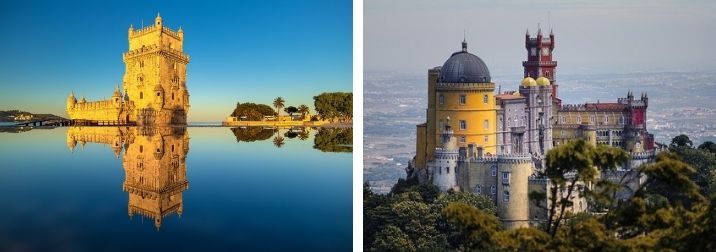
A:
x: 175, y: 189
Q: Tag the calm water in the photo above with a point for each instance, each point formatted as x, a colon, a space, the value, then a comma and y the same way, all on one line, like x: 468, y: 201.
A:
x: 175, y: 189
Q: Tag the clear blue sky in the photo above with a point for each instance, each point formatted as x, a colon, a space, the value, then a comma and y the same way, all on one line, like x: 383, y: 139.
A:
x: 240, y: 50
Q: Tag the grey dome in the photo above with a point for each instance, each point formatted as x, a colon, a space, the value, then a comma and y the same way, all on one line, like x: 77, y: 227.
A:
x: 464, y: 67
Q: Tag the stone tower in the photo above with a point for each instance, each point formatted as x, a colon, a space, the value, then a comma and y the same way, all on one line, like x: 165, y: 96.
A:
x: 444, y: 168
x: 155, y: 75
x: 538, y: 114
x: 539, y: 61
x: 460, y: 89
x: 155, y: 172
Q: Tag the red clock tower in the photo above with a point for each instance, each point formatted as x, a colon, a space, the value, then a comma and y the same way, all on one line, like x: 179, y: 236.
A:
x: 539, y: 59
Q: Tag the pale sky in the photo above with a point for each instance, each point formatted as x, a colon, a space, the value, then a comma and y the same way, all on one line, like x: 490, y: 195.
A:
x: 590, y: 36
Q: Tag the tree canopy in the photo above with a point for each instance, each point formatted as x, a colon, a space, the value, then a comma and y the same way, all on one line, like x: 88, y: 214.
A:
x: 252, y: 111
x: 671, y: 211
x: 334, y: 140
x: 332, y: 106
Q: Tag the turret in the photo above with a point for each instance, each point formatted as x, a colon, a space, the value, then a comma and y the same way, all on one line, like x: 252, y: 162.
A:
x: 446, y: 157
x: 158, y: 20
x: 131, y: 30
x: 117, y: 96
x: 71, y: 100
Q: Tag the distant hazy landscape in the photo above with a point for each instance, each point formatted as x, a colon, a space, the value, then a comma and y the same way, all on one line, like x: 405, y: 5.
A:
x: 394, y: 102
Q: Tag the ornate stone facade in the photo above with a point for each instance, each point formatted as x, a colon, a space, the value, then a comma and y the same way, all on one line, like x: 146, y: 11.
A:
x: 154, y: 165
x: 154, y: 83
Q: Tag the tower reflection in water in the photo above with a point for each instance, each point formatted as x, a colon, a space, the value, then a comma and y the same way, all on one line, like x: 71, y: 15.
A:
x: 154, y: 165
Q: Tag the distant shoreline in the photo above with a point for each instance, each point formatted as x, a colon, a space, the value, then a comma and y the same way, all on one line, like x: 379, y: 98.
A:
x: 200, y: 125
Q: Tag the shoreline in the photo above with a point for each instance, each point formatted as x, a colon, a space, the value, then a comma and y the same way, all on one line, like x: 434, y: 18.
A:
x: 327, y: 125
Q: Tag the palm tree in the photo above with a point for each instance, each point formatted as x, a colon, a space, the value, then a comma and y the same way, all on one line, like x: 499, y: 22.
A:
x: 278, y: 141
x: 278, y: 103
x: 303, y: 109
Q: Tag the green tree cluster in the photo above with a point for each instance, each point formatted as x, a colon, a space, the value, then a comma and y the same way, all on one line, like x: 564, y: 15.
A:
x: 251, y: 134
x: 252, y: 111
x: 673, y: 210
x: 410, y: 218
x: 334, y: 106
x: 334, y: 140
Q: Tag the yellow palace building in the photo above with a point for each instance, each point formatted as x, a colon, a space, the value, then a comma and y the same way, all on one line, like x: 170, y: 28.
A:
x: 460, y: 93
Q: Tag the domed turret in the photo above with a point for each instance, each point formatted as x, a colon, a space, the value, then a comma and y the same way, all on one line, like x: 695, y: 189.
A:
x: 71, y: 100
x: 117, y: 93
x: 158, y: 20
x: 464, y: 67
x: 542, y: 81
x: 529, y: 82
x: 83, y: 100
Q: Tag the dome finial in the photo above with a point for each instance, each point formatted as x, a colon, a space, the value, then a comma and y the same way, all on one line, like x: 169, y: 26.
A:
x: 464, y: 41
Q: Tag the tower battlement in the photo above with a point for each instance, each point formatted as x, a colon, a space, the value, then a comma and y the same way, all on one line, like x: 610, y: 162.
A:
x: 154, y: 82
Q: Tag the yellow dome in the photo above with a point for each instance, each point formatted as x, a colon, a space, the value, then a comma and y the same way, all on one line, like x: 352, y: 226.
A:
x: 542, y: 81
x: 528, y: 82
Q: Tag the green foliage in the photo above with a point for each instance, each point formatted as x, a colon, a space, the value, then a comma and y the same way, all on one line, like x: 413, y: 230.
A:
x: 331, y: 106
x: 708, y: 146
x: 279, y: 141
x: 304, y: 110
x: 569, y: 167
x: 670, y: 211
x: 416, y: 210
x: 251, y: 134
x: 278, y: 103
x: 681, y: 141
x: 290, y: 110
x: 478, y: 201
x: 252, y: 111
x: 391, y: 238
x: 334, y: 140
x: 704, y: 162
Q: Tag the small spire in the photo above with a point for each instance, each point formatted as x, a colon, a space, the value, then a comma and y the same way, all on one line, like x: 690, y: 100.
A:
x: 464, y: 44
x: 551, y: 32
x: 527, y: 33
x: 539, y: 28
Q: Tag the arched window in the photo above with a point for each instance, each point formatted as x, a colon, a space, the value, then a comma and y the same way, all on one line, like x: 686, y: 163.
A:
x: 478, y: 189
x: 506, y: 196
x: 493, y: 171
x: 484, y: 99
x: 493, y: 190
x: 441, y: 99
x: 486, y: 124
x: 141, y: 95
x: 463, y: 99
x: 141, y: 148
